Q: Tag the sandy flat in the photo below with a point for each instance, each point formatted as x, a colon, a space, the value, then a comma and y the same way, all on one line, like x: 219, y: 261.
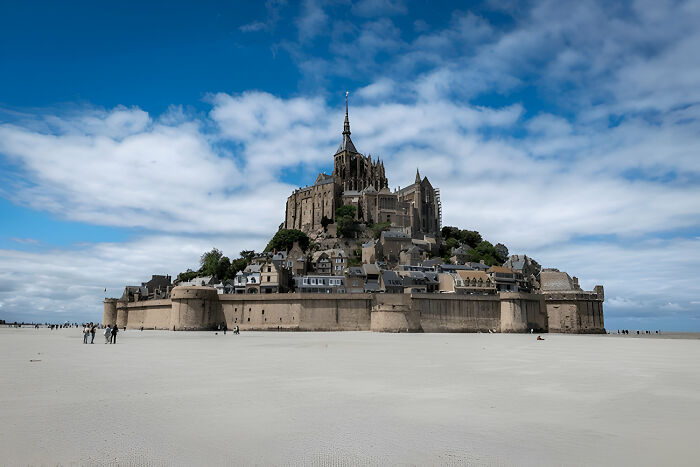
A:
x: 352, y: 398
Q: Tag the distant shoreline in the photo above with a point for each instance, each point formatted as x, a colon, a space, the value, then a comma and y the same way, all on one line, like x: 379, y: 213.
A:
x: 631, y: 335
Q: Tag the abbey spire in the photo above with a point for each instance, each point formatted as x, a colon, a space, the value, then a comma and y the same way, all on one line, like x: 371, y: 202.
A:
x: 346, y: 127
x: 346, y: 145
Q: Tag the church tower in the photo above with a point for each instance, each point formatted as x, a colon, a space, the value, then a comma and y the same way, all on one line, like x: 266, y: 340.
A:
x: 352, y: 170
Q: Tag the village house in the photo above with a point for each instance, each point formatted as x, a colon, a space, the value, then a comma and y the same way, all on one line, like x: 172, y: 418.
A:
x: 477, y: 282
x: 274, y: 278
x: 354, y: 280
x: 320, y: 284
x: 412, y: 256
x: 249, y: 278
x: 392, y: 243
x: 390, y: 282
x: 504, y: 278
x: 371, y: 252
x: 450, y: 282
x: 296, y: 260
x: 372, y: 281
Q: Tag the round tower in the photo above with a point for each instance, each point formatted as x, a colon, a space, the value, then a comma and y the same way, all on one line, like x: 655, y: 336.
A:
x: 109, y: 313
x: 195, y: 309
x: 122, y: 314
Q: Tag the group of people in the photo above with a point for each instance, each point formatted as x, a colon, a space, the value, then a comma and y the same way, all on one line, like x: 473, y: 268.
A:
x: 89, y: 330
x: 111, y: 334
x: 224, y: 327
x: 626, y: 331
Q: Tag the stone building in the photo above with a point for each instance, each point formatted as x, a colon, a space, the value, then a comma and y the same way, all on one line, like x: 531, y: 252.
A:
x: 570, y: 309
x: 360, y: 181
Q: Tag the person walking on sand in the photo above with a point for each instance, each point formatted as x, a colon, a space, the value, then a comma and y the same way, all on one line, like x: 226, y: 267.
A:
x: 108, y: 334
x: 224, y: 327
x: 93, y: 330
x: 115, y: 330
x: 85, y: 334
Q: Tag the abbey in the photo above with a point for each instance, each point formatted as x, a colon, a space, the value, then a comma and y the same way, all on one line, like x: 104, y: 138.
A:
x: 359, y: 181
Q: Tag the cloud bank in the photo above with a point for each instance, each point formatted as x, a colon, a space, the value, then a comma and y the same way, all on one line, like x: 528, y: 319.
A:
x: 597, y: 175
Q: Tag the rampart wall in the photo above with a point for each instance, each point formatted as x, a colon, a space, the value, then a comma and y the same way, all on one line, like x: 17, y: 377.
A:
x: 579, y: 313
x: 200, y: 308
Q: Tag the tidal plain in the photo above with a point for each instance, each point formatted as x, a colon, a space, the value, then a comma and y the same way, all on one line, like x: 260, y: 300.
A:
x: 346, y: 398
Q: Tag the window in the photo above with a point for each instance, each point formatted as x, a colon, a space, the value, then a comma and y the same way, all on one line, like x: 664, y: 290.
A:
x: 305, y: 281
x: 263, y: 312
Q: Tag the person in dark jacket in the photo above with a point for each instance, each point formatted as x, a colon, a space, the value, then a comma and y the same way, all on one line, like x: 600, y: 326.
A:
x: 93, y: 330
x: 115, y: 330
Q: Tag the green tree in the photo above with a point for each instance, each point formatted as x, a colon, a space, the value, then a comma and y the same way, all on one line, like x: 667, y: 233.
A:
x: 248, y: 255
x: 345, y: 220
x: 346, y: 210
x: 236, y: 265
x: 451, y: 243
x: 485, y: 251
x: 284, y: 240
x: 449, y: 232
x: 377, y: 229
x: 470, y: 237
x: 502, y: 251
x: 222, y: 268
x: 209, y: 262
x: 186, y: 276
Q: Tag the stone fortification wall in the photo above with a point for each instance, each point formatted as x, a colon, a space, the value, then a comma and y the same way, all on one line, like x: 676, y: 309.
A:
x: 395, y: 313
x: 298, y: 312
x: 149, y: 314
x: 458, y: 313
x: 580, y: 313
x: 200, y: 308
x: 521, y: 312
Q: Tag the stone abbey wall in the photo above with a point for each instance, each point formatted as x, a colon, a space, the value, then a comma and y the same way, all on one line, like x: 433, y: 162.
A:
x: 200, y: 308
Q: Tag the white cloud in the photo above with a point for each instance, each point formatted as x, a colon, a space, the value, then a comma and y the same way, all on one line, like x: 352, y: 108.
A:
x: 68, y: 284
x: 312, y: 21
x: 611, y: 152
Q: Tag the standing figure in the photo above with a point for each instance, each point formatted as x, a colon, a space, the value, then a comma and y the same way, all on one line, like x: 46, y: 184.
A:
x: 85, y: 334
x: 93, y: 330
x: 108, y: 334
x: 115, y: 330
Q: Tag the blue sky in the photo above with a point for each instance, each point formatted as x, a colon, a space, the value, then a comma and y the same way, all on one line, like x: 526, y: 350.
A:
x: 133, y: 138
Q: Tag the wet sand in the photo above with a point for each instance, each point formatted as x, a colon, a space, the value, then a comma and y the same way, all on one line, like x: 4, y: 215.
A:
x: 352, y: 398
